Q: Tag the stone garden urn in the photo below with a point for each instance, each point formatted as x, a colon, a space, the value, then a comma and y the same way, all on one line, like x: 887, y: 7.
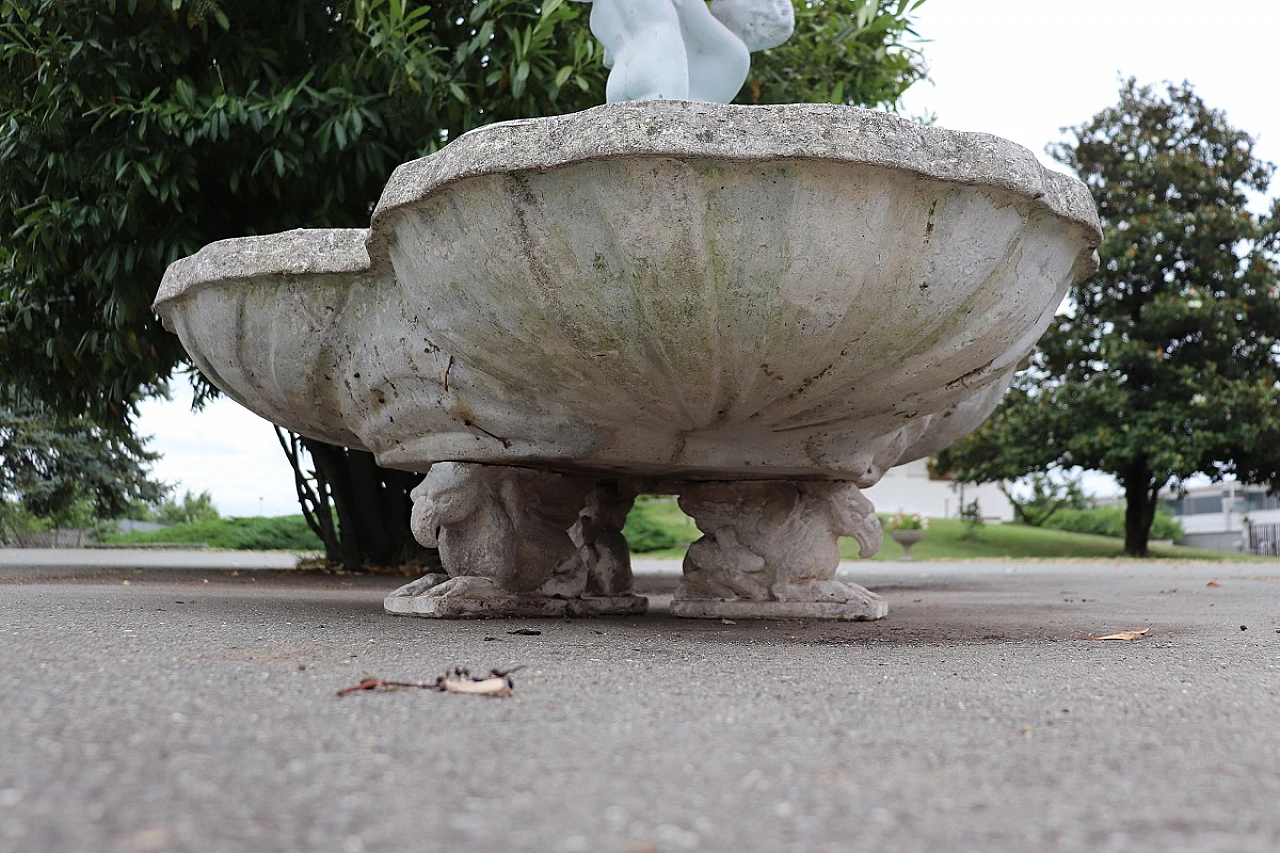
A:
x: 906, y: 538
x: 759, y: 309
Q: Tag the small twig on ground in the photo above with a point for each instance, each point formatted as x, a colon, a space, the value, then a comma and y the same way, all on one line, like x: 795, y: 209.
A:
x: 497, y: 683
x: 370, y: 683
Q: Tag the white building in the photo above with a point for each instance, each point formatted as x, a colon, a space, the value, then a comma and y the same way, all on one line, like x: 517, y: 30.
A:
x: 911, y: 488
x: 1227, y: 516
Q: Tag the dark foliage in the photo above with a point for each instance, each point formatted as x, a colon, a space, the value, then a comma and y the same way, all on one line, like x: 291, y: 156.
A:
x: 132, y: 132
x: 1165, y: 363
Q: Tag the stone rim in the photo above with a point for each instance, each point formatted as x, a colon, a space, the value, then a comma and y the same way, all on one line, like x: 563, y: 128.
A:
x: 300, y: 252
x: 729, y: 132
x: 671, y: 129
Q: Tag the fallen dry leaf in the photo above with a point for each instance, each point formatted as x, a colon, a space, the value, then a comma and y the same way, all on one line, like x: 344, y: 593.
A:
x: 1123, y: 635
x: 494, y: 686
x: 1213, y: 583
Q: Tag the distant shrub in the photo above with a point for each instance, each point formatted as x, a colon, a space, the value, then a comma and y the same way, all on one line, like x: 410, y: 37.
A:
x: 646, y: 530
x: 1109, y: 521
x: 656, y: 523
x: 971, y: 515
x: 17, y: 524
x: 192, y: 509
x: 1042, y: 494
x: 283, y: 533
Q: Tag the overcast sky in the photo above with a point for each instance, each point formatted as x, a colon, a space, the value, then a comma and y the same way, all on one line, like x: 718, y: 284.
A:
x: 1021, y: 69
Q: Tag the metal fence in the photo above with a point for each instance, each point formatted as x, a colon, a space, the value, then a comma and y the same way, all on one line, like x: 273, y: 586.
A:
x: 1262, y: 538
x: 63, y: 538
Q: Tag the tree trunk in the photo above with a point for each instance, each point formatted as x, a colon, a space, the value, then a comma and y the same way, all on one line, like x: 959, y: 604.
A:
x: 1141, y: 496
x: 372, y: 504
x: 373, y: 507
x: 313, y: 494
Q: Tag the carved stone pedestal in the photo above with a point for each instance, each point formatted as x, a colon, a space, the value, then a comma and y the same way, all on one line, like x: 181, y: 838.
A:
x: 522, y: 542
x: 519, y: 542
x: 770, y: 551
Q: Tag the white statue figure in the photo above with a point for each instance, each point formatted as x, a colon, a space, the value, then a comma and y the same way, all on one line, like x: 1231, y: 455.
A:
x: 770, y: 549
x: 683, y: 49
x: 510, y: 525
x: 602, y: 549
x: 519, y: 541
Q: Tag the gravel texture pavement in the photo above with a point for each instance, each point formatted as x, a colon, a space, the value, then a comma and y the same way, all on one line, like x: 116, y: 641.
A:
x: 165, y: 709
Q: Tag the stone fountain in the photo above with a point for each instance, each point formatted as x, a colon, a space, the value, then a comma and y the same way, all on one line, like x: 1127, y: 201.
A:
x: 758, y: 309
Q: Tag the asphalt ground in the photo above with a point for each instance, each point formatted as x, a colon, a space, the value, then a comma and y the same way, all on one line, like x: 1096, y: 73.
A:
x: 172, y: 708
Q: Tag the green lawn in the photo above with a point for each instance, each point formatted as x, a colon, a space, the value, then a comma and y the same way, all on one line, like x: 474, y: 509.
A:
x: 944, y: 540
x: 283, y: 533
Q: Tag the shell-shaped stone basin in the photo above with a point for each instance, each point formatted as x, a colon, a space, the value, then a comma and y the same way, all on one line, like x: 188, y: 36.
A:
x: 659, y: 289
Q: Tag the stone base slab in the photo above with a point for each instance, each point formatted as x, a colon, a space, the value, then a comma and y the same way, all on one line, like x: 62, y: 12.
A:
x: 874, y: 607
x: 516, y: 605
x: 439, y: 597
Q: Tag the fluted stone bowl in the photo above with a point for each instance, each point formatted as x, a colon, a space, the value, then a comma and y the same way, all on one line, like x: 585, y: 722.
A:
x: 662, y: 289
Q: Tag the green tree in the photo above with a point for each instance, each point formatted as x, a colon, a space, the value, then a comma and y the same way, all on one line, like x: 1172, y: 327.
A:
x: 1046, y: 495
x: 859, y: 52
x: 192, y: 509
x: 1164, y: 364
x: 17, y: 524
x: 132, y: 132
x: 67, y: 471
